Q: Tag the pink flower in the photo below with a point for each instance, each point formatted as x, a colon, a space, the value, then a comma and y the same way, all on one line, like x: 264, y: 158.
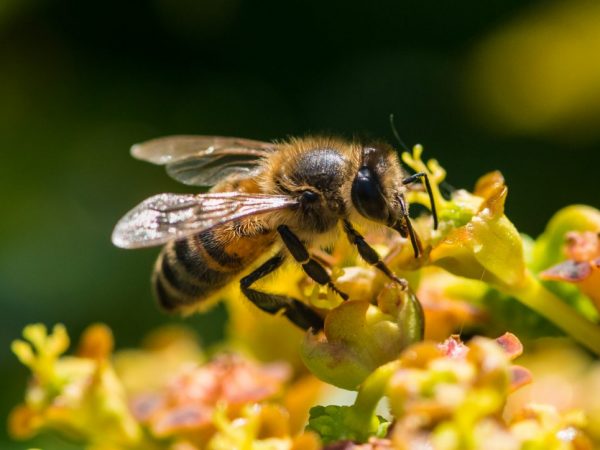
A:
x: 189, y: 400
x: 582, y: 266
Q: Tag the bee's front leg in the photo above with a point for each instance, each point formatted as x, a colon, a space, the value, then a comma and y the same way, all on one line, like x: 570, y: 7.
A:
x: 369, y: 254
x: 311, y: 266
x: 406, y: 229
x: 423, y: 177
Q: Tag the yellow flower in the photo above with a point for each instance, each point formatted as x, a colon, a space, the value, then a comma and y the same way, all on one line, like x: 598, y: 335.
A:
x: 79, y: 396
x: 476, y: 240
x: 172, y: 400
x: 438, y: 380
x: 450, y: 396
x: 488, y: 247
x: 442, y: 396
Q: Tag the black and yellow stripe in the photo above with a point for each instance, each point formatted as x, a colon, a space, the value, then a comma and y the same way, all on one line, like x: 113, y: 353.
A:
x: 189, y: 271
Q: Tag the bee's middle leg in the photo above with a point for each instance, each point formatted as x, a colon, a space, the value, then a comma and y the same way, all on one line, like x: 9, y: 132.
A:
x: 369, y: 254
x: 311, y: 266
x: 297, y: 312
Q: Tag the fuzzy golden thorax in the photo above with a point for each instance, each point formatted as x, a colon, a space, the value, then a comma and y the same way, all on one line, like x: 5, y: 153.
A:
x: 320, y: 172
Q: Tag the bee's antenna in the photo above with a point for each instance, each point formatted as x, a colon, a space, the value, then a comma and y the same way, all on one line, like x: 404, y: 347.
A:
x: 395, y: 133
x: 415, y: 177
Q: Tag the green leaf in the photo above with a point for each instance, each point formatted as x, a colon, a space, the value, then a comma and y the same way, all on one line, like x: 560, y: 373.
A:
x: 337, y: 423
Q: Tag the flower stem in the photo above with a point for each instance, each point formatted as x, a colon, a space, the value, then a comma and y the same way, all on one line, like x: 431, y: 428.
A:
x: 370, y: 392
x: 533, y: 294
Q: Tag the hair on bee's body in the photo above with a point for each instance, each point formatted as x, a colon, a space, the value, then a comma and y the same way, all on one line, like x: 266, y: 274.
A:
x: 189, y: 272
x: 269, y: 201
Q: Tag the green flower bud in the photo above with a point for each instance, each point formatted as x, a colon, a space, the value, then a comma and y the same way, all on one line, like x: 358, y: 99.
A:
x: 358, y: 337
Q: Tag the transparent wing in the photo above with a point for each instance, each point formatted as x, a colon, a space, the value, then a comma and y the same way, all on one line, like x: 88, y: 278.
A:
x: 203, y: 160
x: 167, y: 217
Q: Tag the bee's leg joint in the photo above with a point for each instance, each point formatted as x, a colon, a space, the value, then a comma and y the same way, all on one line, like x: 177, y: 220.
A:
x: 297, y: 312
x: 369, y: 254
x: 311, y: 266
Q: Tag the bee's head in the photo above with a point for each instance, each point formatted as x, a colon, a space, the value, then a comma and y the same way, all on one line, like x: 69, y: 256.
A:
x: 377, y: 186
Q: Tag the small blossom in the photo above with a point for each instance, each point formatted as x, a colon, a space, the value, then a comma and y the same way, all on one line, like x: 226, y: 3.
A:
x: 548, y: 249
x: 582, y: 266
x: 96, y: 342
x: 443, y: 396
x: 189, y: 400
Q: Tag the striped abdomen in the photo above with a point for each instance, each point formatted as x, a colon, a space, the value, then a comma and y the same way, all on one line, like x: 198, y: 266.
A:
x: 188, y: 272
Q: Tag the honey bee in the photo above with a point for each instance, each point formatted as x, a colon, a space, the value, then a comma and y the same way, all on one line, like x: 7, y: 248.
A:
x: 269, y: 201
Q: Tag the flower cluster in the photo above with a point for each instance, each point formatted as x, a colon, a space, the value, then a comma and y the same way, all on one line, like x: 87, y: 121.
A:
x: 114, y: 401
x: 450, y: 396
x: 447, y: 395
x: 477, y: 276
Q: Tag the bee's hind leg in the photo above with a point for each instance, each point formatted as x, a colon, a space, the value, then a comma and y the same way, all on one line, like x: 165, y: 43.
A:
x: 311, y: 266
x: 297, y: 312
x: 369, y: 254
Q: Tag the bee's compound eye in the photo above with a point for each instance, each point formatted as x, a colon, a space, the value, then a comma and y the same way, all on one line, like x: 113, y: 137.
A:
x: 367, y: 196
x: 309, y: 197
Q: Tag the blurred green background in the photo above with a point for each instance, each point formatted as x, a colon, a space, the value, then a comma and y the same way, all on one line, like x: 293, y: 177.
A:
x: 509, y: 85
